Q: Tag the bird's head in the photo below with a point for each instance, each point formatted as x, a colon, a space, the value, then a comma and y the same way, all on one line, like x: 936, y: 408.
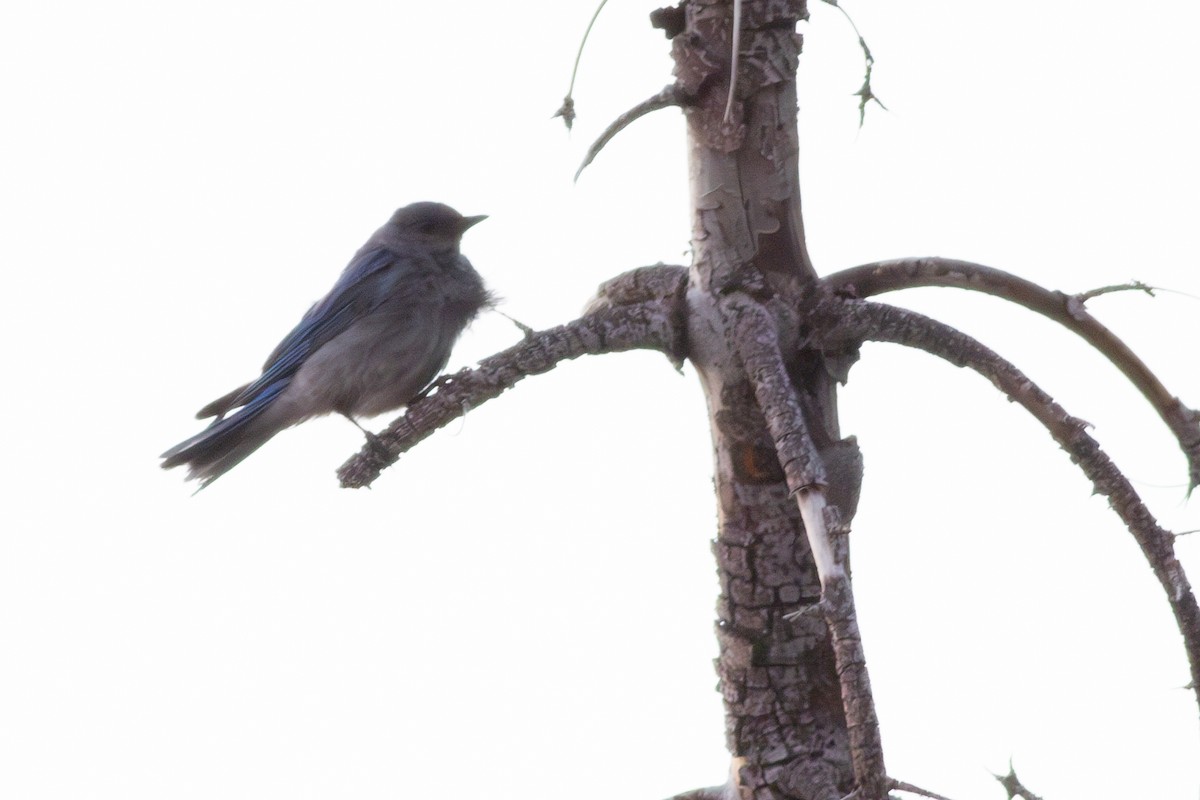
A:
x: 435, y: 223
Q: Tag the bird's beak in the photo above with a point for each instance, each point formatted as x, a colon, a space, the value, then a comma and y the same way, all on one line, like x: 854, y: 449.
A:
x: 468, y: 222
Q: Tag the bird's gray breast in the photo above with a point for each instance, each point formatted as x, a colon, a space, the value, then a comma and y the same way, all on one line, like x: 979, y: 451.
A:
x: 463, y: 293
x: 389, y: 355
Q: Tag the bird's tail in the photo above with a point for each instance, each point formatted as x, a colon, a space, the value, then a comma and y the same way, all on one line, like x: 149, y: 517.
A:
x: 226, y: 442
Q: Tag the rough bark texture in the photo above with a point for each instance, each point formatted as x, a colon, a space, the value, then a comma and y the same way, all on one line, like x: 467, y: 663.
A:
x: 785, y: 726
x: 608, y: 328
x: 769, y: 341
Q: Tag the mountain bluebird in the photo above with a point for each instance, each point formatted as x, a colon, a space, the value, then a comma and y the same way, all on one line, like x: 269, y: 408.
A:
x: 371, y: 345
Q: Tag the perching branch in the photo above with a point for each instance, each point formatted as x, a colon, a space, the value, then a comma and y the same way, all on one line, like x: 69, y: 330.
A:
x: 650, y: 325
x: 1067, y: 310
x: 657, y: 282
x: 836, y: 321
x: 670, y: 96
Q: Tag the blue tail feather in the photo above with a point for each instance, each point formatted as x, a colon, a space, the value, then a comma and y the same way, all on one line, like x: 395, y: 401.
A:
x: 226, y: 441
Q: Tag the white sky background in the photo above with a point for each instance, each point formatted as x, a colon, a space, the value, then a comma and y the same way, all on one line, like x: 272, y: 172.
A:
x: 525, y: 603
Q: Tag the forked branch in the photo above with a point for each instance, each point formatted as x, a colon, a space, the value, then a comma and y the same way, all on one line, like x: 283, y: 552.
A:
x: 837, y: 321
x: 756, y: 338
x: 1067, y: 310
x: 753, y: 331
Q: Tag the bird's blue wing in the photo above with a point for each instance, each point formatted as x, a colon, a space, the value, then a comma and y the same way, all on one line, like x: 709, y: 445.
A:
x: 364, y: 284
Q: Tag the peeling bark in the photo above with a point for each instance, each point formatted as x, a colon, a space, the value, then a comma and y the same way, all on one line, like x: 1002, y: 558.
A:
x: 785, y: 726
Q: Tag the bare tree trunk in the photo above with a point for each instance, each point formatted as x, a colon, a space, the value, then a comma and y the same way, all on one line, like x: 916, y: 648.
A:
x: 784, y: 721
x: 769, y: 341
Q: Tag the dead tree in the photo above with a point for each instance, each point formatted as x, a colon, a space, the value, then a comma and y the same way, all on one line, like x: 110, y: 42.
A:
x: 771, y: 340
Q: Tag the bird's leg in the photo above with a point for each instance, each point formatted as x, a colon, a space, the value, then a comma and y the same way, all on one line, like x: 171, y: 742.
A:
x: 376, y: 443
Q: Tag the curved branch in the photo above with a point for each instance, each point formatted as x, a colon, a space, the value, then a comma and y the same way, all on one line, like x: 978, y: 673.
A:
x: 1067, y: 310
x: 836, y: 320
x: 670, y: 96
x: 643, y: 326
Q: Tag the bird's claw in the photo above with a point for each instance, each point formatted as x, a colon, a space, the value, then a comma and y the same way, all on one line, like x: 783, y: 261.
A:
x: 378, y: 447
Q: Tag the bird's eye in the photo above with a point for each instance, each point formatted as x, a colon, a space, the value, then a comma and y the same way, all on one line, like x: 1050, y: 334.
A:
x: 428, y: 227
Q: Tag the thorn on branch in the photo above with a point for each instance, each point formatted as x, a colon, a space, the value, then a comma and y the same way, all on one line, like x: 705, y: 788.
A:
x: 567, y: 111
x: 1013, y: 785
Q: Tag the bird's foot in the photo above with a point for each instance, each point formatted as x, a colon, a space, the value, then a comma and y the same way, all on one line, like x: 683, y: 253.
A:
x: 380, y: 449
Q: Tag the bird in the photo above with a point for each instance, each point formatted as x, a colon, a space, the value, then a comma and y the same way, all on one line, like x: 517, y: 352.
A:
x: 371, y: 345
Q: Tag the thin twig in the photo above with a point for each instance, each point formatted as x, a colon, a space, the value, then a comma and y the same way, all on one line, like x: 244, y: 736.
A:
x: 901, y: 786
x: 734, y: 58
x: 836, y: 321
x: 865, y: 93
x: 670, y: 96
x: 1067, y: 310
x: 1132, y: 286
x: 567, y: 110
